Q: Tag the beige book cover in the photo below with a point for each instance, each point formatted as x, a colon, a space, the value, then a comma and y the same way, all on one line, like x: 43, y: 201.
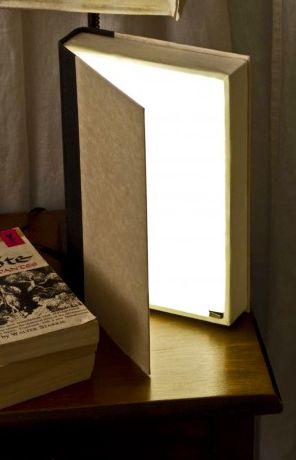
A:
x: 133, y: 7
x: 157, y: 180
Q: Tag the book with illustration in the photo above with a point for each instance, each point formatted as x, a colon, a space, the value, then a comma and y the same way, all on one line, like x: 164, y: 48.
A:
x: 39, y: 317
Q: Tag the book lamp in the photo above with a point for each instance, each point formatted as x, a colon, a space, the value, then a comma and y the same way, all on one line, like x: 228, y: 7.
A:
x: 156, y: 175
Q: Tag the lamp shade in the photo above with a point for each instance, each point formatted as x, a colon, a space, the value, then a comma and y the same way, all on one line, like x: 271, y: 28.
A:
x: 145, y: 7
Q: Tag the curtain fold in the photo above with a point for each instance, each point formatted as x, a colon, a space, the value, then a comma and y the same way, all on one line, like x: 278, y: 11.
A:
x: 278, y: 433
x: 14, y: 172
x: 30, y: 126
x: 41, y: 32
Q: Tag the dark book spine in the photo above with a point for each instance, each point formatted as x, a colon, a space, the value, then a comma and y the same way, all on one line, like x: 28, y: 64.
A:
x: 73, y: 267
x: 73, y: 270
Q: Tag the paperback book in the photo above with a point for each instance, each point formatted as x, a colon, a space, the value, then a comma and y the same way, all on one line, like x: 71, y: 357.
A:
x: 39, y: 317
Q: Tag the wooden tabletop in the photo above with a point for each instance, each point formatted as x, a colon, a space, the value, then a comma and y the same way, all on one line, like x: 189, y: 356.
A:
x: 196, y: 366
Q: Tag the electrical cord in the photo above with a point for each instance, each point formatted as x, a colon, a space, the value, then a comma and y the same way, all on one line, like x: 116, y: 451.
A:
x: 33, y: 214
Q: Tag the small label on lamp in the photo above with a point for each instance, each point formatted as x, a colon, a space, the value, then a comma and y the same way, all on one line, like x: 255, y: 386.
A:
x: 216, y: 314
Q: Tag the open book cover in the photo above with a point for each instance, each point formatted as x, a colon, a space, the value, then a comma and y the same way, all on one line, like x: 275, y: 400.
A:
x: 156, y: 151
x: 133, y: 7
x: 39, y: 314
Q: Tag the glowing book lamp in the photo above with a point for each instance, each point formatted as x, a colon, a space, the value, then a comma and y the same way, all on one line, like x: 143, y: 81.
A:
x: 160, y: 144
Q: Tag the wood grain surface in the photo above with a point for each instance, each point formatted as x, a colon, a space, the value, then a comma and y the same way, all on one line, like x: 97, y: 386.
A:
x: 196, y: 367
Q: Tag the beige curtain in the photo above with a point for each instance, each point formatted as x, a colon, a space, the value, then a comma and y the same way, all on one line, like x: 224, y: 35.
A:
x: 267, y: 30
x: 279, y: 433
x: 31, y: 172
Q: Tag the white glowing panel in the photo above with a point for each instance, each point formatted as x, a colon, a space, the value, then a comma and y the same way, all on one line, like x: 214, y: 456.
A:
x: 185, y: 161
x: 195, y: 129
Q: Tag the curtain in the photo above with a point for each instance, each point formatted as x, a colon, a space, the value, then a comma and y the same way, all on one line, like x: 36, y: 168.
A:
x: 30, y: 129
x: 267, y: 31
x: 279, y: 433
x: 14, y: 173
x: 31, y: 171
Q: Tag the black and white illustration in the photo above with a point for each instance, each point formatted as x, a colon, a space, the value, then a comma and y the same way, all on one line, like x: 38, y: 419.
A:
x: 33, y: 293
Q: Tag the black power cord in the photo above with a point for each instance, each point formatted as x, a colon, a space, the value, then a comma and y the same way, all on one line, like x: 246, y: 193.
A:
x: 34, y: 213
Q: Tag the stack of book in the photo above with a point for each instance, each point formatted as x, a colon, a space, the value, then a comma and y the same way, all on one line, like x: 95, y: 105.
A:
x: 48, y: 338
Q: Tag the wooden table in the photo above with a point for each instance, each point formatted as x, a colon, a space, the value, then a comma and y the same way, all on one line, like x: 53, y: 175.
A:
x: 208, y: 382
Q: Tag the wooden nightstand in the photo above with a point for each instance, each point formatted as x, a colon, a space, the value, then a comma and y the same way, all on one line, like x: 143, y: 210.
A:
x: 207, y: 384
